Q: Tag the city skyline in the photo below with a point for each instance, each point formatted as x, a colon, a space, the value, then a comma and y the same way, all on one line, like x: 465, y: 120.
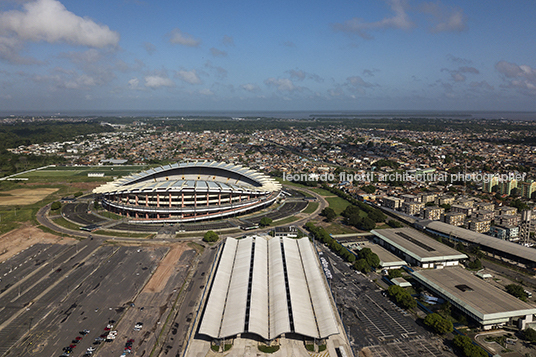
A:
x: 377, y: 55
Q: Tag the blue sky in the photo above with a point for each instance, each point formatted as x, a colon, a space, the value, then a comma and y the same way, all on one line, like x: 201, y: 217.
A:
x: 267, y: 55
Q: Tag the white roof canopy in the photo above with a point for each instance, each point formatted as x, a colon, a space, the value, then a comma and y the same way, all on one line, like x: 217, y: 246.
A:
x: 269, y: 286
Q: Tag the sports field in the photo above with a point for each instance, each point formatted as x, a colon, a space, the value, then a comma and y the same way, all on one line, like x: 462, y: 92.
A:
x: 24, y: 196
x: 80, y: 173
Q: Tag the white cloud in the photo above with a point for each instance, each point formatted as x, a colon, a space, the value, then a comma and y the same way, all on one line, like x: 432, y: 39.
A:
x: 481, y: 85
x: 282, y: 84
x: 157, y: 81
x: 253, y: 88
x: 370, y: 72
x: 228, y: 40
x: 217, y: 53
x: 445, y: 19
x: 206, y: 91
x: 221, y: 72
x: 289, y: 44
x: 301, y: 75
x: 189, y: 76
x: 357, y: 81
x: 400, y: 20
x: 457, y: 75
x: 133, y: 83
x: 522, y: 77
x: 49, y: 21
x: 177, y: 37
x: 67, y: 79
x: 149, y: 47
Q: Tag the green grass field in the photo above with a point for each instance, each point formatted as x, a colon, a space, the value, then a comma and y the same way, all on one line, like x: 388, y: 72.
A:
x: 79, y: 174
x: 60, y: 221
x: 285, y: 221
x: 322, y: 192
x: 339, y: 228
x: 338, y: 204
x: 124, y: 234
x: 311, y: 207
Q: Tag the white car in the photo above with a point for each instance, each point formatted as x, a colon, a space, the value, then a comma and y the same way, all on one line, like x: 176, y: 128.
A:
x: 138, y: 326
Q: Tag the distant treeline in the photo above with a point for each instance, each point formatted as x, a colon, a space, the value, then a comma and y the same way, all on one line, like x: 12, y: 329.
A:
x: 14, y: 135
x: 252, y: 124
x: 12, y: 163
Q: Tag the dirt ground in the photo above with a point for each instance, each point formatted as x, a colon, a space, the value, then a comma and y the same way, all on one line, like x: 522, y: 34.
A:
x: 19, y: 239
x: 165, y: 268
x: 24, y: 196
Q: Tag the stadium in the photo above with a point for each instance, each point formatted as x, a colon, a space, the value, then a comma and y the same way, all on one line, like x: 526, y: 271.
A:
x: 189, y: 192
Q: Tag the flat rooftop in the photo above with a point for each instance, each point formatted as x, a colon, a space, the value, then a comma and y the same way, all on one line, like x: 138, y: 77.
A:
x: 417, y: 245
x: 514, y: 249
x: 387, y: 258
x: 482, y: 299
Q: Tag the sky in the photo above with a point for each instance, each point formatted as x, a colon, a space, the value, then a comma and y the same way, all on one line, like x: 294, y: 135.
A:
x: 338, y: 55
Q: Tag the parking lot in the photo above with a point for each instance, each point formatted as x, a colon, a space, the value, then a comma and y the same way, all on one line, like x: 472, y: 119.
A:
x: 49, y: 293
x: 372, y: 320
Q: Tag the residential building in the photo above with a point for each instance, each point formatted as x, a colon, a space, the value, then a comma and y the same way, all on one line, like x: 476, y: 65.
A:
x: 480, y: 225
x: 463, y: 209
x: 488, y: 186
x: 392, y: 202
x: 433, y: 213
x: 527, y: 189
x: 454, y: 218
x: 412, y: 208
x: 506, y: 187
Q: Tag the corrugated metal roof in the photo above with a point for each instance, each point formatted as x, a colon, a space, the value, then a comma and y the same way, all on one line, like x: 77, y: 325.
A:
x: 300, y: 298
x: 218, y: 294
x: 313, y: 313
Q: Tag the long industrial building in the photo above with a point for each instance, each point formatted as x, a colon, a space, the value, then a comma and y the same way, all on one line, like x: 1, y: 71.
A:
x: 188, y: 192
x: 513, y: 252
x: 269, y: 287
x: 417, y: 248
x: 478, y: 299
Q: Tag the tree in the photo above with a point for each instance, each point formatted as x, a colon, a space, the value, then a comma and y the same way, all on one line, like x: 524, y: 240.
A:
x: 529, y: 334
x: 401, y: 297
x: 517, y: 291
x: 377, y: 216
x: 367, y: 224
x: 465, y: 344
x: 474, y: 264
x: 265, y: 221
x: 438, y: 323
x: 362, y: 266
x: 329, y: 213
x: 370, y: 257
x: 395, y: 273
x: 369, y: 188
x: 210, y: 236
x: 395, y: 224
x: 55, y: 206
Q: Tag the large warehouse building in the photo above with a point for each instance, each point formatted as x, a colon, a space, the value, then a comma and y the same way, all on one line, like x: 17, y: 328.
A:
x: 417, y: 248
x: 478, y: 299
x: 509, y: 251
x: 269, y: 287
x: 189, y: 191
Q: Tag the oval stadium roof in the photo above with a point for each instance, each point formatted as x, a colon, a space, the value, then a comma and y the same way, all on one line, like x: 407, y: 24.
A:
x: 197, y: 175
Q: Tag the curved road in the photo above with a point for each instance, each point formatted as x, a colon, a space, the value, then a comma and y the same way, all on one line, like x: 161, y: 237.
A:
x: 43, y: 219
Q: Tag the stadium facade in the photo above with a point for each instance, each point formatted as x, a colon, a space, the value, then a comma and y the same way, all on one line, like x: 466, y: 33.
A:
x: 189, y: 192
